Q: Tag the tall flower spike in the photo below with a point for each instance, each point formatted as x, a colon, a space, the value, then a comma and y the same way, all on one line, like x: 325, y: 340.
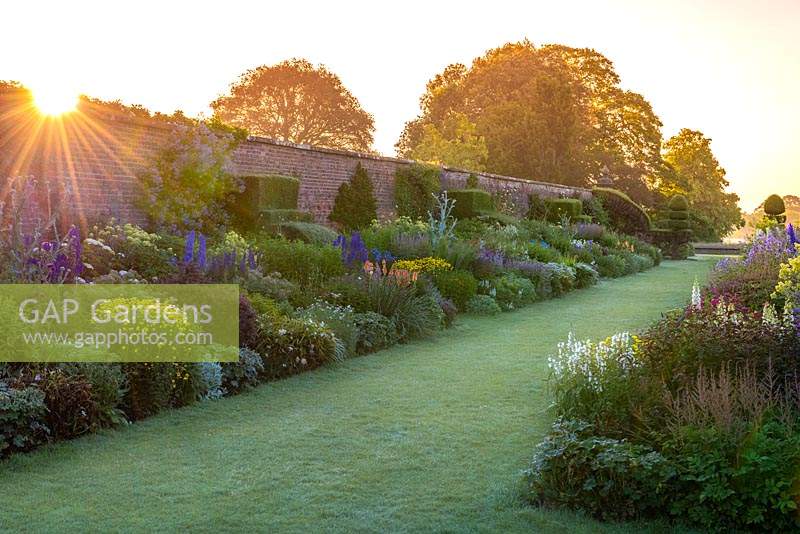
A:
x: 201, y: 252
x: 697, y: 299
x: 188, y: 251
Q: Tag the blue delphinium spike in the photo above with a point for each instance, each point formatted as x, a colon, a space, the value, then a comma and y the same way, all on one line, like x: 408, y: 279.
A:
x: 188, y: 251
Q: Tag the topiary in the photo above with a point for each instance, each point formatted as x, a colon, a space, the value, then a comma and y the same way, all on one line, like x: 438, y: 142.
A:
x: 414, y: 188
x: 472, y: 182
x: 774, y: 205
x: 678, y: 203
x: 471, y: 203
x: 624, y: 214
x: 563, y: 207
x: 678, y: 223
x: 354, y: 207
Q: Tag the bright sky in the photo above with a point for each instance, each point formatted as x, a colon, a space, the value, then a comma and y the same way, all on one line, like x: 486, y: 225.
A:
x: 730, y: 68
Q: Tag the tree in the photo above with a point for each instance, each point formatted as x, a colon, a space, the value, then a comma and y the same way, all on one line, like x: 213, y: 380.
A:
x: 552, y: 113
x: 297, y: 102
x: 695, y: 172
x: 456, y: 145
x: 354, y: 207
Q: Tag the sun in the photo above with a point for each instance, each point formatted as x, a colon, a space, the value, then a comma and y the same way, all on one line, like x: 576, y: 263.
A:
x: 54, y: 101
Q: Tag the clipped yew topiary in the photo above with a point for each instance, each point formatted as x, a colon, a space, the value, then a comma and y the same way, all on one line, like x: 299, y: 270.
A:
x: 471, y: 203
x: 678, y: 238
x: 624, y: 214
x: 557, y: 208
x: 414, y: 188
x: 266, y: 200
x: 775, y: 209
x: 354, y: 207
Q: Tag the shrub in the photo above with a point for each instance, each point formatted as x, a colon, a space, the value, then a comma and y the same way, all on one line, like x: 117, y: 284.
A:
x: 339, y: 320
x: 458, y: 286
x: 418, y: 316
x: 471, y: 203
x: 22, y: 413
x: 774, y: 205
x: 307, y: 232
x: 149, y: 388
x: 733, y: 485
x: 211, y: 373
x: 537, y: 207
x: 625, y: 215
x: 289, y: 346
x: 265, y: 193
x: 354, y: 207
x: 607, y: 478
x: 128, y: 247
x: 302, y: 263
x: 482, y: 305
x: 241, y: 375
x: 557, y: 208
x: 611, y: 266
x: 188, y: 184
x: 272, y: 218
x: 414, y: 188
x: 423, y: 265
x: 543, y: 252
x: 375, y: 332
x: 512, y: 291
x: 678, y: 203
x: 585, y: 275
x: 108, y: 386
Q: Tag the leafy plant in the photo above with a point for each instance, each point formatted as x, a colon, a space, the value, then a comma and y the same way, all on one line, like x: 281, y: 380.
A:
x: 354, y: 207
x: 414, y: 188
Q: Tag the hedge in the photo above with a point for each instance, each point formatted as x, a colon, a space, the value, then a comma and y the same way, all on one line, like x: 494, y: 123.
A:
x: 471, y: 203
x: 563, y: 207
x: 414, y: 187
x: 279, y: 216
x: 626, y: 215
x: 272, y: 192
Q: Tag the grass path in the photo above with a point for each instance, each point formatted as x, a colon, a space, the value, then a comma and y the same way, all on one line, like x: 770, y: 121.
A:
x: 429, y: 436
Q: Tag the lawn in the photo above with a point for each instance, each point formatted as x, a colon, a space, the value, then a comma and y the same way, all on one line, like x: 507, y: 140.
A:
x: 431, y: 435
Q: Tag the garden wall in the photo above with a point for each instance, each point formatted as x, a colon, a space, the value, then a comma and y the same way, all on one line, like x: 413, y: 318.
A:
x: 100, y: 156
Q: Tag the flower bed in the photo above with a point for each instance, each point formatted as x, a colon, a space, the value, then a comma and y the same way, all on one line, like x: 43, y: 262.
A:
x: 697, y: 419
x: 303, y: 304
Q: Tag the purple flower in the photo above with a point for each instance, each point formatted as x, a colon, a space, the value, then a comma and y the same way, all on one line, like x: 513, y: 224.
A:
x: 793, y: 242
x: 188, y: 251
x: 201, y: 252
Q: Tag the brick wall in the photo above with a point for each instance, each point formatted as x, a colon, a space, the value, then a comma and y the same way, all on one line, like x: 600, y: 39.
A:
x: 100, y: 156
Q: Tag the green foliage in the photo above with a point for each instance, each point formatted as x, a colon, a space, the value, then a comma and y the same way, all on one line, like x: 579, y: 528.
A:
x: 724, y: 484
x: 265, y: 193
x: 775, y: 209
x: 22, y: 413
x: 273, y: 218
x: 557, y: 208
x: 307, y: 232
x: 694, y: 172
x: 414, y: 189
x: 241, y: 375
x: 130, y: 248
x: 338, y: 319
x: 108, y: 385
x: 537, y: 207
x: 472, y: 182
x: 482, y: 305
x: 457, y: 285
x: 375, y: 332
x: 678, y: 203
x: 289, y: 346
x: 512, y: 291
x: 624, y: 214
x: 298, y: 262
x: 354, y: 207
x: 606, y: 478
x: 471, y: 203
x: 455, y: 144
x: 150, y: 388
x: 187, y: 185
x: 611, y: 266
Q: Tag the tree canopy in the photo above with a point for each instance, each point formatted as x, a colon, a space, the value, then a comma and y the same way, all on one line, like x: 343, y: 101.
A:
x: 694, y: 172
x: 550, y: 113
x: 297, y: 102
